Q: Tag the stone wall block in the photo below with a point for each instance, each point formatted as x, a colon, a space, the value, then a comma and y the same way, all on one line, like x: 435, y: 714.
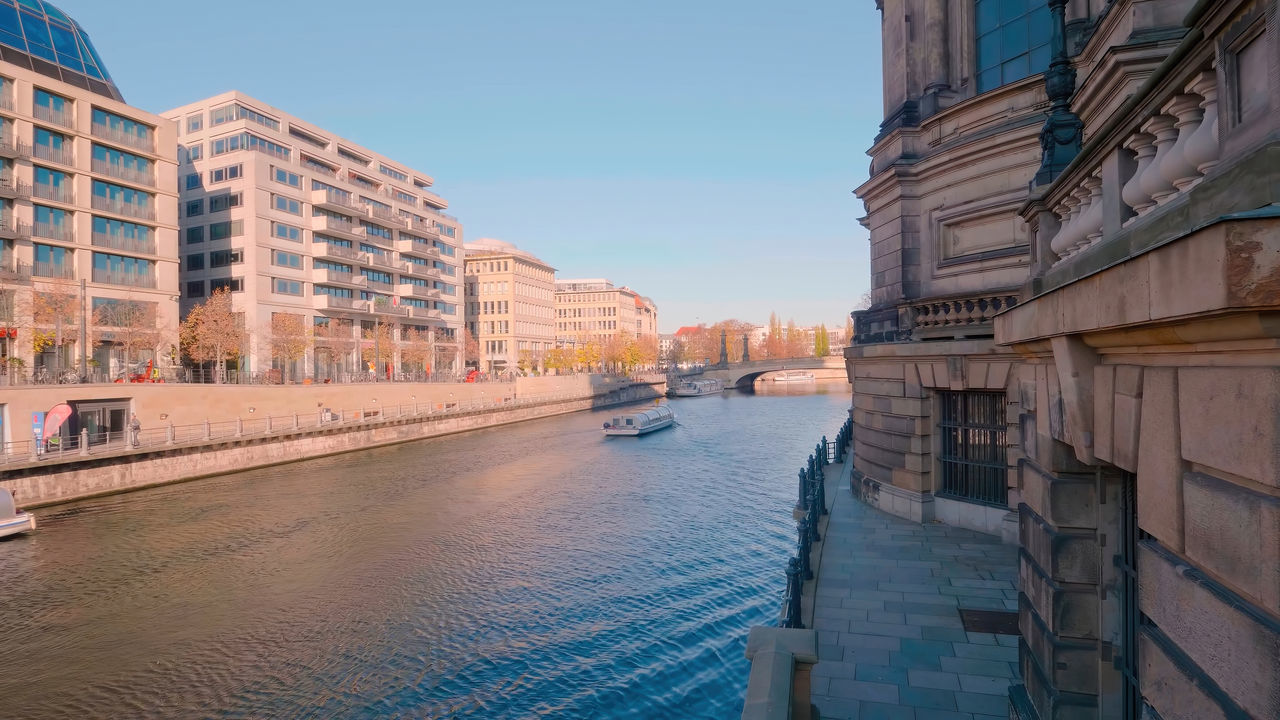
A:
x: 1065, y: 556
x: 1068, y: 501
x: 1068, y: 610
x: 1104, y: 381
x: 1234, y: 533
x: 1171, y: 691
x: 886, y: 388
x: 1230, y: 420
x: 998, y: 376
x: 1192, y: 276
x: 1233, y: 642
x: 1057, y: 409
x: 1052, y: 704
x: 912, y: 387
x: 925, y: 371
x: 1160, y: 463
x: 1070, y: 665
x: 880, y: 371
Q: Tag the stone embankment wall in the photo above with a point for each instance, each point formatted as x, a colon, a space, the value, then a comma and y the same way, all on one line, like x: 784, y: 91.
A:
x: 55, y: 481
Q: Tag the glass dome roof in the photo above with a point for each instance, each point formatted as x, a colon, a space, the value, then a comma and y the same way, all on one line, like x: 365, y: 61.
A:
x: 53, y: 44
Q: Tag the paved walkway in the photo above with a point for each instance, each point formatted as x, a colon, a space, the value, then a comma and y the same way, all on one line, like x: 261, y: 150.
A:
x: 886, y: 608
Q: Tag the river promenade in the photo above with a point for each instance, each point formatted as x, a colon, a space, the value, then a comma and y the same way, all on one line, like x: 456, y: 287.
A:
x: 886, y: 605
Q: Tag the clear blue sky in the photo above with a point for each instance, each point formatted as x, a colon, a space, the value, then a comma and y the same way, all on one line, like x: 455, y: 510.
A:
x: 702, y: 152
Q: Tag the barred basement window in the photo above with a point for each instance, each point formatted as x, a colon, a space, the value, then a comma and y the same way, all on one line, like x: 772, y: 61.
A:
x: 973, y: 428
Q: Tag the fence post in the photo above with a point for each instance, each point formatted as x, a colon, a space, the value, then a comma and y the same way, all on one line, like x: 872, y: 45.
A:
x: 814, y: 515
x: 170, y: 435
x: 794, y: 586
x: 268, y: 423
x: 804, y: 547
x: 208, y: 429
x: 84, y: 441
x: 239, y: 427
x: 800, y: 499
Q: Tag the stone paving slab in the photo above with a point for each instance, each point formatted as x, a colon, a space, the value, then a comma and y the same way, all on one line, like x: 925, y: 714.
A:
x: 886, y: 605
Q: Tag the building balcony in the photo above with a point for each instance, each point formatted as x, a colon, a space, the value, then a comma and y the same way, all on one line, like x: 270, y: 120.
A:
x: 125, y: 279
x: 388, y: 216
x: 339, y: 228
x: 418, y: 291
x: 120, y: 207
x: 53, y: 231
x: 56, y: 193
x: 337, y: 252
x: 57, y: 271
x: 317, y: 167
x: 386, y: 308
x: 413, y: 247
x: 137, y: 177
x: 378, y: 285
x: 127, y: 244
x: 383, y: 260
x: 11, y: 188
x: 120, y: 137
x: 12, y: 230
x: 421, y: 313
x: 421, y: 271
x: 337, y: 202
x: 11, y: 148
x: 970, y: 316
x: 6, y: 101
x: 58, y: 155
x: 334, y: 303
x: 63, y: 117
x: 329, y: 276
x: 428, y: 229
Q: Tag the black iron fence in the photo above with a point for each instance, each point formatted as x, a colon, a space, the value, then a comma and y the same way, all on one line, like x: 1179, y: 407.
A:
x: 811, y: 505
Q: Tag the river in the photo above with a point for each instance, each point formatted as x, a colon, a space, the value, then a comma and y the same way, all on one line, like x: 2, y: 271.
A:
x: 534, y: 570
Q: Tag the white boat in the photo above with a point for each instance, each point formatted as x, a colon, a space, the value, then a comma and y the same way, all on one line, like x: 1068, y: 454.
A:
x: 13, y: 522
x: 640, y: 422
x: 792, y: 376
x: 696, y: 388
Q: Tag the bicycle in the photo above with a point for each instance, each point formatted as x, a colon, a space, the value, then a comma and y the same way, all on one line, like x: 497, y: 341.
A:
x: 68, y: 377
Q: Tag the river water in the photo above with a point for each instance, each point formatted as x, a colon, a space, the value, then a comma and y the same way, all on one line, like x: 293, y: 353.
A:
x: 534, y: 570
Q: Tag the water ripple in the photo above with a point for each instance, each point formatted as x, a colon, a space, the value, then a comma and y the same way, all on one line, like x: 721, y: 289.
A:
x: 531, y: 571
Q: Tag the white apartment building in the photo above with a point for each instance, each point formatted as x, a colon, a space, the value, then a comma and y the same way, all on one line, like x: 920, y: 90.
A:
x: 88, y: 211
x: 510, y: 305
x: 593, y: 309
x: 298, y: 221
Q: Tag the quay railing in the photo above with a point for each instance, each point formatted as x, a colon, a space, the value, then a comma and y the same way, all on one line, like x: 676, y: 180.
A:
x: 89, y: 444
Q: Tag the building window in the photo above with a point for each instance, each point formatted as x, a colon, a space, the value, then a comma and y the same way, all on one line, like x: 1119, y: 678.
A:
x: 229, y: 284
x: 236, y: 111
x: 195, y: 289
x: 286, y: 232
x: 223, y: 174
x: 195, y: 235
x: 193, y: 181
x: 218, y: 203
x: 286, y: 259
x: 194, y: 123
x: 281, y: 175
x: 224, y: 230
x: 286, y: 204
x: 223, y: 258
x: 973, y: 462
x: 286, y: 287
x: 1013, y: 40
x: 195, y: 207
x: 194, y: 262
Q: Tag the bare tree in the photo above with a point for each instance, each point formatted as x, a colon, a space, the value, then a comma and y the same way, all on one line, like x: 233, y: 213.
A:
x: 335, y: 339
x: 213, y: 333
x: 377, y: 345
x: 289, y: 340
x: 417, y: 350
x: 56, y: 310
x: 129, y: 324
x: 470, y: 348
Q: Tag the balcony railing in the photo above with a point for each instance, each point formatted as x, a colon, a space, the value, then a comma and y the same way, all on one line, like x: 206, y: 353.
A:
x: 387, y: 215
x: 12, y: 186
x: 53, y: 231
x: 56, y: 193
x: 327, y: 223
x: 127, y: 244
x: 424, y: 227
x: 408, y: 245
x: 325, y: 249
x: 419, y: 291
x: 6, y: 101
x: 336, y: 199
x: 386, y: 308
x: 10, y: 269
x: 419, y: 270
x: 378, y: 284
x: 61, y: 117
x: 132, y: 175
x: 422, y: 313
x: 120, y: 207
x: 329, y: 276
x: 333, y: 302
x: 956, y: 317
x: 127, y: 279
x: 60, y: 155
x: 9, y: 228
x: 61, y: 271
x: 9, y: 147
x: 317, y: 167
x: 119, y: 136
x: 382, y: 260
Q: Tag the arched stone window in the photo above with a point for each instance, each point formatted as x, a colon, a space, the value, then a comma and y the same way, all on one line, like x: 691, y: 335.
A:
x: 1012, y: 40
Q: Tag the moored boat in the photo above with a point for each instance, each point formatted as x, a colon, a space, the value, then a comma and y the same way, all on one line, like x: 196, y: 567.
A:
x: 12, y: 521
x: 640, y: 422
x: 696, y: 388
x: 792, y: 376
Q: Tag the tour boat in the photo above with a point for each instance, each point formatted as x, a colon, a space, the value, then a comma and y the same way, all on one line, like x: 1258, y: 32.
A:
x: 696, y: 388
x: 792, y: 376
x: 640, y: 422
x: 13, y: 522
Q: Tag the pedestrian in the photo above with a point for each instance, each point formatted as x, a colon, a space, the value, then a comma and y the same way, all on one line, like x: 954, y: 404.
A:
x: 135, y: 428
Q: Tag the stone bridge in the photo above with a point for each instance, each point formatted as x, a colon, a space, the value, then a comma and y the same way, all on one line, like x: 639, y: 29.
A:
x: 743, y: 374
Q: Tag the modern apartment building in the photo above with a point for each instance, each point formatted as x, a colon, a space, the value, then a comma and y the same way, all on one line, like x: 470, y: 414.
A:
x: 593, y: 309
x: 88, y: 207
x: 510, y: 305
x: 1073, y: 342
x: 304, y: 226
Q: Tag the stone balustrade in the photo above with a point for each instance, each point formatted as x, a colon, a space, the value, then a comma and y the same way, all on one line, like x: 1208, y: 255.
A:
x: 1165, y: 155
x: 960, y: 312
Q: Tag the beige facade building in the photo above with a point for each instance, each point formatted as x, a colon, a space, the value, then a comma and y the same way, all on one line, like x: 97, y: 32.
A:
x: 593, y: 309
x: 1073, y: 338
x: 299, y: 222
x: 88, y: 210
x: 510, y: 305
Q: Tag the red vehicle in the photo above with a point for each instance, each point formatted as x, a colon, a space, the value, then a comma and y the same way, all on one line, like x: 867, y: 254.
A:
x: 472, y: 375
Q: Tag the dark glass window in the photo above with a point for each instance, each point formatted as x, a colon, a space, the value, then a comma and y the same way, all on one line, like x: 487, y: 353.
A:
x: 195, y: 289
x: 195, y: 235
x: 1013, y: 40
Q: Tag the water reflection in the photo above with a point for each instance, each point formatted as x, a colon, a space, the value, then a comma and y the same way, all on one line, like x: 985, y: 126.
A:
x: 534, y: 570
